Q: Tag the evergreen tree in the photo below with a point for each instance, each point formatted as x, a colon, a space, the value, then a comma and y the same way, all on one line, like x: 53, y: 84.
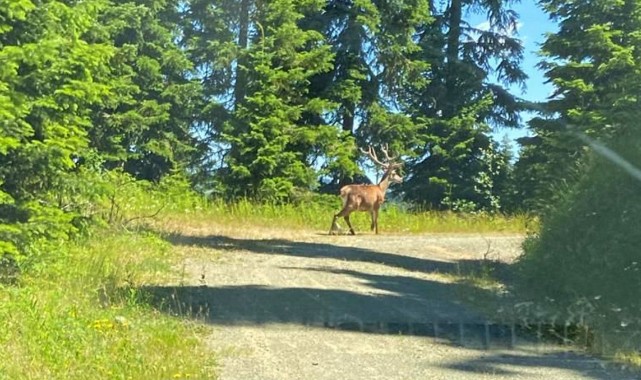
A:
x: 278, y: 131
x: 593, y: 63
x: 372, y: 42
x: 463, y: 99
x: 586, y: 150
x: 146, y: 127
x: 256, y: 61
x: 51, y: 76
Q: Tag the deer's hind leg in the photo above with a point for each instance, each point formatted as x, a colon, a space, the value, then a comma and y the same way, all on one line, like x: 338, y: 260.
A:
x: 334, y: 227
x: 345, y: 214
x: 349, y: 224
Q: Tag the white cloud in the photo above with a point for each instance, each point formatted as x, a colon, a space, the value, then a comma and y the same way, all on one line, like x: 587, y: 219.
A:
x: 511, y: 31
x: 484, y: 26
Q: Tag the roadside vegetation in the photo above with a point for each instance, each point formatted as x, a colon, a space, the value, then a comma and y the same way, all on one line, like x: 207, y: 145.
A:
x: 67, y: 318
x: 584, y: 266
x: 68, y: 310
x: 69, y: 305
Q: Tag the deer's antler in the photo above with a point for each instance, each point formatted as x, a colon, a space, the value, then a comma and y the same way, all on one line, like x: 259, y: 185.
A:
x: 372, y: 155
x: 389, y: 160
x: 385, y: 149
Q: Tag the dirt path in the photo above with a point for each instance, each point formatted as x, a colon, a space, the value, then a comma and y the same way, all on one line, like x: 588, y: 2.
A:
x: 297, y: 305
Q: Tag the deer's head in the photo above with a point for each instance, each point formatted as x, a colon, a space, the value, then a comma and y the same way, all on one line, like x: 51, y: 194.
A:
x: 389, y: 164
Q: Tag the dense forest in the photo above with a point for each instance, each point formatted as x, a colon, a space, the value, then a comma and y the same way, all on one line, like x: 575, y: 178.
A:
x: 262, y: 100
x: 271, y: 100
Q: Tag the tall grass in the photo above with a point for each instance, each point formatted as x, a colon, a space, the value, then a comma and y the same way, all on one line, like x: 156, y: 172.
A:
x: 66, y: 318
x: 393, y: 218
x: 75, y: 313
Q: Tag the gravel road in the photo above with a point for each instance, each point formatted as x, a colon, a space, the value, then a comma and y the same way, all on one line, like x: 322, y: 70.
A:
x: 289, y: 305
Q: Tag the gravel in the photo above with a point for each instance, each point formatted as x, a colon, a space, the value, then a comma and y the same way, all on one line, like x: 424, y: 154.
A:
x: 303, y: 305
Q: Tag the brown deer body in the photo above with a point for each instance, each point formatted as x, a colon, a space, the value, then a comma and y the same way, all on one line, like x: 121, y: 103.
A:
x: 367, y: 198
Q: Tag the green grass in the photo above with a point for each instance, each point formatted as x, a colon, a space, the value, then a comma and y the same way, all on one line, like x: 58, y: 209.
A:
x: 392, y: 218
x: 66, y: 319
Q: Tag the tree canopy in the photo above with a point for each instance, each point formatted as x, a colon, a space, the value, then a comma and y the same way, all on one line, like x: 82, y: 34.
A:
x: 270, y: 99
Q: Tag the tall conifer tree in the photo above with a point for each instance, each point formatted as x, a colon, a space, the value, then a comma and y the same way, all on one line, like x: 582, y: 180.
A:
x: 465, y: 97
x: 593, y: 61
x: 51, y: 76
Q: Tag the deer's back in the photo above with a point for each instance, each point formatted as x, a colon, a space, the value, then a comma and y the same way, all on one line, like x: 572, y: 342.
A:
x: 361, y: 197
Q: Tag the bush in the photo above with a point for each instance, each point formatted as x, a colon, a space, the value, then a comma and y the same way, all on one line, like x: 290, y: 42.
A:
x: 88, y: 196
x: 589, y: 244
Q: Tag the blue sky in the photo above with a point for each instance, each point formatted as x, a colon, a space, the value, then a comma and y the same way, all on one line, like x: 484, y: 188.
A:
x: 533, y: 25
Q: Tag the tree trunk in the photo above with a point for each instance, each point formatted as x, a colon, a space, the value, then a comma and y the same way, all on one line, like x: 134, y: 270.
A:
x: 452, y: 55
x: 240, y: 87
x: 348, y: 118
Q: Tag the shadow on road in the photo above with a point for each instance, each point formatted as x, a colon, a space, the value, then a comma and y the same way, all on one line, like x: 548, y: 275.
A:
x: 499, y: 270
x: 399, y: 305
x: 410, y: 311
x: 513, y: 365
x: 385, y: 303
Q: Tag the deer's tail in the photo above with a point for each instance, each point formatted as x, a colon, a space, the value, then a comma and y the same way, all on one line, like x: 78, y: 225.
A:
x: 345, y: 193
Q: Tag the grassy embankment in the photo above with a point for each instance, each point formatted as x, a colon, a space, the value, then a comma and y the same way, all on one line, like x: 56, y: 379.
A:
x: 66, y: 318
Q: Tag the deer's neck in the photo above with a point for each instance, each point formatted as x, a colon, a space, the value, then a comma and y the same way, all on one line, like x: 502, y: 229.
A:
x: 384, y: 183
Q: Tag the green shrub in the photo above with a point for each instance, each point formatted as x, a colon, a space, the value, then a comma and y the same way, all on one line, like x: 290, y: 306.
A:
x: 589, y: 246
x: 87, y: 197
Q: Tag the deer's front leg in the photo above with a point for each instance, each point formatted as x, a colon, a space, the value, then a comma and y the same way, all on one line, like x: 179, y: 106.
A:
x: 372, y: 214
x: 375, y: 221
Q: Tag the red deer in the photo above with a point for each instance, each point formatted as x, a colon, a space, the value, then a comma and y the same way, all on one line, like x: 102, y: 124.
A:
x: 368, y: 197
